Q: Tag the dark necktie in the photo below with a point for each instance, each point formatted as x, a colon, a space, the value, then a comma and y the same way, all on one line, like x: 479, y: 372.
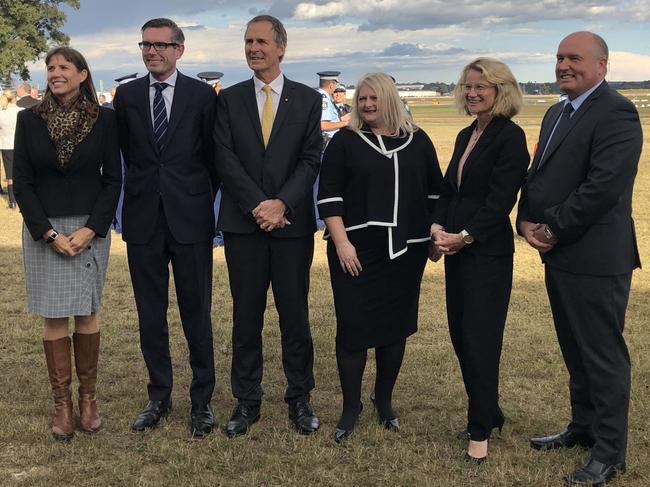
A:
x: 564, y: 121
x: 159, y: 115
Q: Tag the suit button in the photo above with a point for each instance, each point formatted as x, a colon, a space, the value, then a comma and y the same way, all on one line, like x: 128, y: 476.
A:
x: 87, y: 264
x: 162, y: 165
x: 89, y: 247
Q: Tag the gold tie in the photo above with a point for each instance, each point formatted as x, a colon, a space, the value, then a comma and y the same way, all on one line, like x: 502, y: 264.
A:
x: 267, y: 115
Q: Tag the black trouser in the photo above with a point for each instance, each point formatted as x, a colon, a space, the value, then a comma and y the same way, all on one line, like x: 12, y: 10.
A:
x: 478, y: 293
x: 254, y: 261
x: 192, y: 265
x: 589, y: 316
x: 8, y: 163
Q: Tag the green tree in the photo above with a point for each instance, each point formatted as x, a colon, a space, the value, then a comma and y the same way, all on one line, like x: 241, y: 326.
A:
x: 28, y: 28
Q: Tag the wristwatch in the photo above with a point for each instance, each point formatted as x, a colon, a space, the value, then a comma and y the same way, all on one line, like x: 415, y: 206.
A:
x: 548, y: 233
x: 467, y: 238
x: 50, y: 238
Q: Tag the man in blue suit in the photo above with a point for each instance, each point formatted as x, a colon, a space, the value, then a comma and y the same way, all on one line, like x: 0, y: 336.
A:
x: 166, y: 121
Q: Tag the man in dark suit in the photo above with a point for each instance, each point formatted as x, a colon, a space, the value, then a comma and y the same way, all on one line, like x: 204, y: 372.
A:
x: 576, y: 210
x: 268, y: 154
x: 166, y: 122
x: 25, y: 99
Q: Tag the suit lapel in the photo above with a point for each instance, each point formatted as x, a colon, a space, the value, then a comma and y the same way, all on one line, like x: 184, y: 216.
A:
x: 286, y: 98
x: 545, y: 133
x: 250, y: 102
x: 144, y: 109
x: 487, y: 137
x: 463, y: 139
x: 179, y: 104
x: 558, y: 138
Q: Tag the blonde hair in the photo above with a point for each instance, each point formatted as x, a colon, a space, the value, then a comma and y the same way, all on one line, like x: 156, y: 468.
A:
x: 390, y: 109
x: 8, y: 96
x: 509, y: 99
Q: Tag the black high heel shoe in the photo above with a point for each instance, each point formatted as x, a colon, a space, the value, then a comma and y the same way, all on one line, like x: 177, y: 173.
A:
x: 475, y: 460
x: 340, y: 435
x: 391, y: 424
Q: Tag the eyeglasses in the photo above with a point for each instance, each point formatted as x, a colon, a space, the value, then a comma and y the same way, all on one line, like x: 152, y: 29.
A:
x: 480, y: 89
x: 158, y: 46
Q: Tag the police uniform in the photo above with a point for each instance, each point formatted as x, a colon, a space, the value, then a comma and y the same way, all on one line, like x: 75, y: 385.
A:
x: 117, y: 221
x: 213, y: 78
x: 329, y: 114
x: 343, y: 108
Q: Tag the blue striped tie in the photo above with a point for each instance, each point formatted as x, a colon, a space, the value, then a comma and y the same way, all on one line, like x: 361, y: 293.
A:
x: 160, y: 122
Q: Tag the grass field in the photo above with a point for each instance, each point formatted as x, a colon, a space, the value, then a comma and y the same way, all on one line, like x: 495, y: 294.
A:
x: 429, y: 396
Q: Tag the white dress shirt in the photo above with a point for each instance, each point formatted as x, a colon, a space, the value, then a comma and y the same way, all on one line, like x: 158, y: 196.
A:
x: 276, y: 91
x: 167, y: 93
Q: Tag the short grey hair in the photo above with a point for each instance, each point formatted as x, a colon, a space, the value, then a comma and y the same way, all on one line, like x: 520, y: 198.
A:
x: 278, y: 29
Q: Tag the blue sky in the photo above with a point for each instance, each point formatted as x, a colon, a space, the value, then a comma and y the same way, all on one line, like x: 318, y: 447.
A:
x: 414, y: 40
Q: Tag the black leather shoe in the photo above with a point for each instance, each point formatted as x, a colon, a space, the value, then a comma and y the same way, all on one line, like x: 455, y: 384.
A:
x: 566, y: 439
x: 303, y: 418
x: 340, y: 434
x: 151, y: 415
x: 391, y: 424
x: 243, y: 416
x: 594, y: 473
x: 202, y: 420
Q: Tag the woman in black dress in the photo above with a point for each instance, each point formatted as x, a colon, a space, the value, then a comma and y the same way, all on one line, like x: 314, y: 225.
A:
x: 67, y: 182
x: 379, y: 182
x: 472, y: 228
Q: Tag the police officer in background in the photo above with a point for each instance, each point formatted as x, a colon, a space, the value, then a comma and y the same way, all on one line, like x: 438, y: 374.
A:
x: 117, y: 221
x: 330, y: 120
x: 339, y: 100
x: 213, y: 78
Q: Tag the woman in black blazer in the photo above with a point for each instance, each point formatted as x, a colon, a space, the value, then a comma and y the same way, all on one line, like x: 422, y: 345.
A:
x: 472, y: 229
x: 67, y: 181
x: 379, y: 183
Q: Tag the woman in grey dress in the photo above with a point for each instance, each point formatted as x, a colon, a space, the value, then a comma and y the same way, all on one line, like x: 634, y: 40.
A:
x: 67, y: 181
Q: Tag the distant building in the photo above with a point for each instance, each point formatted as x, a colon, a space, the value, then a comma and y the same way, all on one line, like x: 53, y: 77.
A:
x: 408, y: 86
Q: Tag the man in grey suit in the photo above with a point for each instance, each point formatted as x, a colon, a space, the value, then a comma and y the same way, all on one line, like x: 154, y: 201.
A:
x: 268, y: 154
x: 576, y: 210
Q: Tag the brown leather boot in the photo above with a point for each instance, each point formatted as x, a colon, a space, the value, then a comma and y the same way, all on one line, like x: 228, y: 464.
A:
x: 86, y: 353
x: 57, y: 356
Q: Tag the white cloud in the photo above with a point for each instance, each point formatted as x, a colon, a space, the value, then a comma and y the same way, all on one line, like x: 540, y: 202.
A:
x: 628, y: 66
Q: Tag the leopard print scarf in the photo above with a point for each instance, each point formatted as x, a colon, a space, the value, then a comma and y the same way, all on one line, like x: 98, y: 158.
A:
x: 68, y: 123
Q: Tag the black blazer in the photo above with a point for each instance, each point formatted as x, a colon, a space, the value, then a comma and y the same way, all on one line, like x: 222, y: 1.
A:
x: 583, y: 187
x: 286, y: 169
x: 492, y: 176
x: 183, y: 176
x: 90, y: 185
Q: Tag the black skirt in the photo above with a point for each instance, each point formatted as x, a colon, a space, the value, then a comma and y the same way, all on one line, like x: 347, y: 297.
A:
x: 380, y: 306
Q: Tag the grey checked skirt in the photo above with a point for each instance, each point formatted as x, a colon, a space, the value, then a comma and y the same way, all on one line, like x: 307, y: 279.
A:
x: 59, y: 286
